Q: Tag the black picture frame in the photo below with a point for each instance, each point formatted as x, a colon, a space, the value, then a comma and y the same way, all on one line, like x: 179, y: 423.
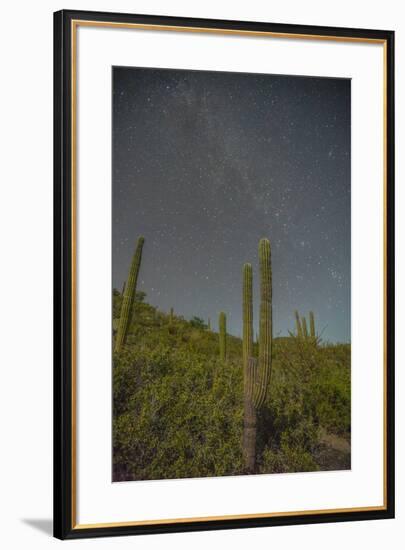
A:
x: 64, y: 444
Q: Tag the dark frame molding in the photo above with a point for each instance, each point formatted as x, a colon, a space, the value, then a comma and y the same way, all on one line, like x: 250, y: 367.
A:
x: 63, y: 440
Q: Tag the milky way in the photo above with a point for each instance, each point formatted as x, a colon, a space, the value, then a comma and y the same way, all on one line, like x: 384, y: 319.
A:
x: 207, y: 163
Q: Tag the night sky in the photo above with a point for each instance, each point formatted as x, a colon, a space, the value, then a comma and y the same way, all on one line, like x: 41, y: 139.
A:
x: 207, y: 163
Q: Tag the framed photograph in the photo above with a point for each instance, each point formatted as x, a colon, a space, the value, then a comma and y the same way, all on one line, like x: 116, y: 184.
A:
x: 224, y: 274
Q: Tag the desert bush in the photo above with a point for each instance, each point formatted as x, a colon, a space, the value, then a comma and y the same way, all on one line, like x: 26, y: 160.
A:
x: 178, y: 410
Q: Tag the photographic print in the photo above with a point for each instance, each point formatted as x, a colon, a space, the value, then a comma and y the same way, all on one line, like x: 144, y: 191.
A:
x: 231, y: 274
x: 223, y: 234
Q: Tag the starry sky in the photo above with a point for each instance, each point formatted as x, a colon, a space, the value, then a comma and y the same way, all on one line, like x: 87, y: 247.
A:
x: 207, y: 163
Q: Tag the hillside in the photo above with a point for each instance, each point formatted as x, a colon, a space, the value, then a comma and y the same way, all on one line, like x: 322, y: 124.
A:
x: 178, y: 410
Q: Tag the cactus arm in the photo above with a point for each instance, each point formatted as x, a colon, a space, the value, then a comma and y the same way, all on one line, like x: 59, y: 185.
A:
x: 249, y: 363
x: 265, y: 326
x: 304, y: 328
x: 298, y: 324
x: 222, y: 336
x: 249, y: 373
x: 312, y: 326
x: 247, y: 313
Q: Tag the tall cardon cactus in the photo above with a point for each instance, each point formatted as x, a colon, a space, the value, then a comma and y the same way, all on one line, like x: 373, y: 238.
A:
x: 312, y: 326
x: 222, y: 336
x: 298, y: 324
x: 249, y: 370
x: 256, y: 373
x: 129, y: 297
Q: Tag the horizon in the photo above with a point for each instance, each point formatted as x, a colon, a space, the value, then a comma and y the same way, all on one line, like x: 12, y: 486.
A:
x: 214, y: 319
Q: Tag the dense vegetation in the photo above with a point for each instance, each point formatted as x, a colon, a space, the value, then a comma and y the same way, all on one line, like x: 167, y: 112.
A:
x: 178, y: 409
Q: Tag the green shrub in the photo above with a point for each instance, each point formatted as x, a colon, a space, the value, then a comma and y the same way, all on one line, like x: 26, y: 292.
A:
x: 178, y: 410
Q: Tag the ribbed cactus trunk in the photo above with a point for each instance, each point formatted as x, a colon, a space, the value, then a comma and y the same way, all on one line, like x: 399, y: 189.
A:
x: 247, y: 315
x: 249, y: 417
x: 222, y: 336
x: 304, y: 328
x: 265, y: 323
x: 312, y: 326
x: 298, y: 325
x: 171, y: 316
x: 209, y: 324
x: 129, y: 298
